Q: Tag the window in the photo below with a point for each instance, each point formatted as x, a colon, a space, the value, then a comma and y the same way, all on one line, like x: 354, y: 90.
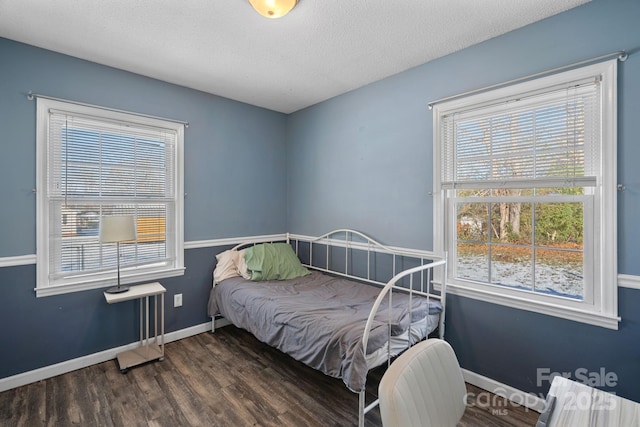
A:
x: 526, y: 178
x: 94, y: 162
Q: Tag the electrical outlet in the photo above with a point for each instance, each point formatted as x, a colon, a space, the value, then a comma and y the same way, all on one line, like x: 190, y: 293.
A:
x: 177, y: 300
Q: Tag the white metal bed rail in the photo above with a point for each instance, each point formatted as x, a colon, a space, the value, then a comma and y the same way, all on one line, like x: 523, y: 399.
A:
x: 344, y: 238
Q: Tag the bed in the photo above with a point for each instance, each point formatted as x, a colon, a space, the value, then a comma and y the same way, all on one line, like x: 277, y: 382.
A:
x: 341, y: 303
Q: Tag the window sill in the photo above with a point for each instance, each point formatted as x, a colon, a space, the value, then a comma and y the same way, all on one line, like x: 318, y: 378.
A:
x: 46, y: 291
x: 556, y: 310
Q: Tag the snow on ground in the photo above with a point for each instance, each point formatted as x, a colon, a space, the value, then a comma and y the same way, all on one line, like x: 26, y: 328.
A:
x: 549, y: 279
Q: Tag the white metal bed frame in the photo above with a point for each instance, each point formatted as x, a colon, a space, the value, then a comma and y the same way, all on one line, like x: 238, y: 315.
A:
x: 421, y: 280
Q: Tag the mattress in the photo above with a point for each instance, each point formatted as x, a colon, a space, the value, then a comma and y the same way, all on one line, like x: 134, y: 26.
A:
x: 319, y: 320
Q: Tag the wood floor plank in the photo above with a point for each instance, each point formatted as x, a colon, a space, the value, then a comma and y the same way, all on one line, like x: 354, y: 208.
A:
x: 224, y: 379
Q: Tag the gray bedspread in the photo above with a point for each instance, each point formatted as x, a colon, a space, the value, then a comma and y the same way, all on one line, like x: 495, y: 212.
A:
x: 317, y: 319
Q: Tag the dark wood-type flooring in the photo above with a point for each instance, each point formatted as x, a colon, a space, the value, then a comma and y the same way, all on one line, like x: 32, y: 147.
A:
x: 223, y: 379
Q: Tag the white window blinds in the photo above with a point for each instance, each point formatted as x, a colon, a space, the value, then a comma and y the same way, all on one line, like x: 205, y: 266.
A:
x: 98, y: 166
x: 526, y: 180
x: 549, y: 138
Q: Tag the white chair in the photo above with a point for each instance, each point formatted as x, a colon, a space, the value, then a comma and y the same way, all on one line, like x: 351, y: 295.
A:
x: 423, y: 387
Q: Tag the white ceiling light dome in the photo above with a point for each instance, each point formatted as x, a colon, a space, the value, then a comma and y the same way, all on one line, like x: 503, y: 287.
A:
x: 273, y: 8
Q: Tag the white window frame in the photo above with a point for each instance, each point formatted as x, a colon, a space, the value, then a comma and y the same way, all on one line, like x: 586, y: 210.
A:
x: 601, y: 237
x: 127, y: 275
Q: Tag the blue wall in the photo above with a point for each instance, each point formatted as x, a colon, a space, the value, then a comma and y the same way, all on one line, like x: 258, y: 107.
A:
x: 363, y: 160
x: 234, y: 179
x: 38, y: 332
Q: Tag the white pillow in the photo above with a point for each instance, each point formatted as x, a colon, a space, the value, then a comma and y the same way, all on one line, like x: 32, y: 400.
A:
x: 242, y: 265
x: 226, y: 266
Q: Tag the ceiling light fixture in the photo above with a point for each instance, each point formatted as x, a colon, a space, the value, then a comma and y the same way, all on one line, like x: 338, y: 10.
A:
x: 273, y: 8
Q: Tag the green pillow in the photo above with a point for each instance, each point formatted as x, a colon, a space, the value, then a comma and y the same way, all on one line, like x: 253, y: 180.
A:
x: 273, y: 261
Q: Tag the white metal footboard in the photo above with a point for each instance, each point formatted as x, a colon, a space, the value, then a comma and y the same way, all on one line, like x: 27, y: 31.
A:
x: 425, y: 287
x: 420, y: 280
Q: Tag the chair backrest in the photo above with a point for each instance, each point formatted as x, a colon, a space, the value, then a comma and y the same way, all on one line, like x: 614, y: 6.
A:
x: 423, y: 387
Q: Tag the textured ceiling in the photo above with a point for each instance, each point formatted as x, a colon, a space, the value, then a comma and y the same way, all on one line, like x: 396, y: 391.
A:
x: 323, y: 48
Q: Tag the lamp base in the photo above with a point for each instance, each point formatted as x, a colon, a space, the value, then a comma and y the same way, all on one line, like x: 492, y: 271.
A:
x: 117, y: 289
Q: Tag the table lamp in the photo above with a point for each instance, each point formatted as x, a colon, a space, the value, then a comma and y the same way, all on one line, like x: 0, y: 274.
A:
x: 116, y: 229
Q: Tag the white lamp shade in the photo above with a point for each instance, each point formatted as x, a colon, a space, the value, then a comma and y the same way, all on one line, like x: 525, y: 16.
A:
x: 273, y: 8
x: 117, y: 228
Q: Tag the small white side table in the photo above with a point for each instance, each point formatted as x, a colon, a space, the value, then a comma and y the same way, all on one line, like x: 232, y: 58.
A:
x: 150, y: 348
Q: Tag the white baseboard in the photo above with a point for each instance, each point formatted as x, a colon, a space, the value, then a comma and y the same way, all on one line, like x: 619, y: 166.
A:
x: 519, y: 397
x: 90, y: 359
x: 219, y: 322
